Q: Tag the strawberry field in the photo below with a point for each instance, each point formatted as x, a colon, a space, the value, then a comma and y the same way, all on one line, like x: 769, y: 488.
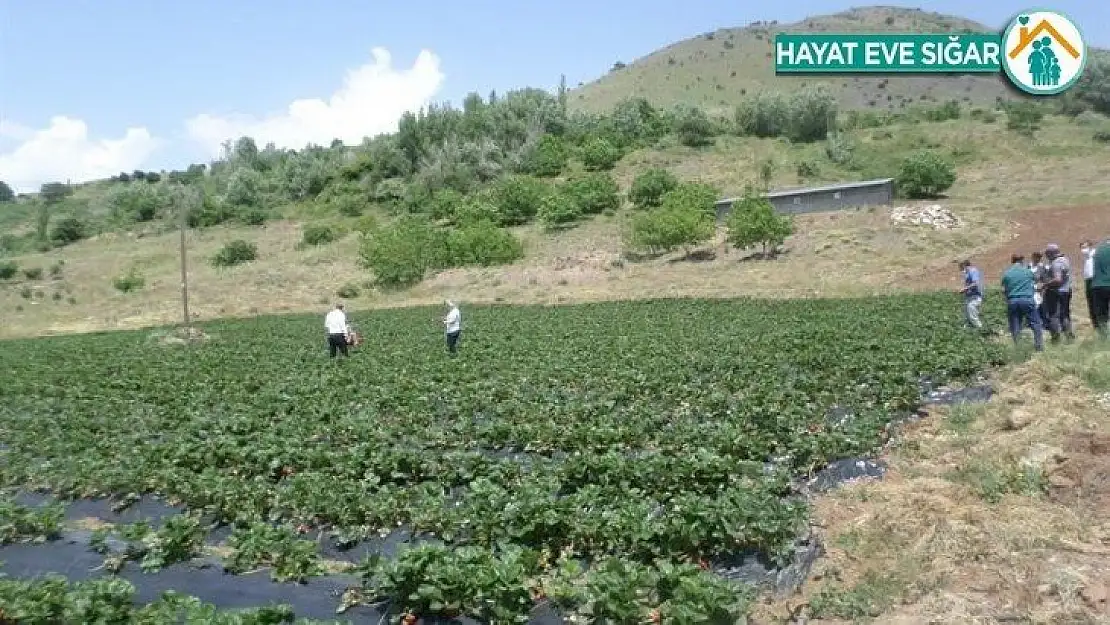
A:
x: 595, y: 459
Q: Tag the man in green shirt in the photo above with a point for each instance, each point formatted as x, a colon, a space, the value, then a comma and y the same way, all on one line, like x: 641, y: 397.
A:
x: 1100, y: 288
x: 1018, y: 284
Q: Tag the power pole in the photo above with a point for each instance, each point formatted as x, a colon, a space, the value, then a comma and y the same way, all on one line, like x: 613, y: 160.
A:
x: 183, y: 208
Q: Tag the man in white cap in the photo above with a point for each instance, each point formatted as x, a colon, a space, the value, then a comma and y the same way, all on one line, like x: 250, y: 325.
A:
x: 1057, y: 294
x: 336, y: 325
x: 452, y: 325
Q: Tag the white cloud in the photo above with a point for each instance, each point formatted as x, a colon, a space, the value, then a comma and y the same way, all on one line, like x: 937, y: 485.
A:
x: 371, y: 101
x: 63, y: 151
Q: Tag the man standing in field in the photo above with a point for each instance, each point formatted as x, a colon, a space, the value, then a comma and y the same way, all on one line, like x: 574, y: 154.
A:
x: 1057, y: 294
x: 336, y: 325
x: 1018, y: 285
x: 1087, y: 252
x: 973, y: 294
x: 452, y: 325
x: 1040, y: 276
x: 1100, y: 287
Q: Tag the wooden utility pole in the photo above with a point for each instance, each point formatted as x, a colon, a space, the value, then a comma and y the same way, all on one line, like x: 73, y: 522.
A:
x: 183, y: 208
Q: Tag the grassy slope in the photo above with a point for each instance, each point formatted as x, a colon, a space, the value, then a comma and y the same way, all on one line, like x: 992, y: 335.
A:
x: 854, y: 252
x: 716, y: 70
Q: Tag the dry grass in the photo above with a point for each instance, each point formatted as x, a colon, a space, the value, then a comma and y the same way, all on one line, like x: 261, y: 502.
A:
x: 846, y: 253
x: 716, y: 70
x: 980, y: 519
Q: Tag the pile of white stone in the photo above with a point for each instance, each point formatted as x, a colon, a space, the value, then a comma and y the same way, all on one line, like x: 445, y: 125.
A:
x: 933, y: 215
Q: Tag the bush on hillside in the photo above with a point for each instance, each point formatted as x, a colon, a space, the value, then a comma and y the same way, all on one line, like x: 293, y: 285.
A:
x: 947, y: 111
x: 599, y: 155
x: 668, y: 228
x: 8, y: 269
x: 445, y: 204
x: 558, y: 210
x: 68, y: 230
x: 812, y: 114
x: 593, y: 193
x: 764, y: 115
x: 649, y: 187
x: 547, y: 158
x: 131, y: 281
x: 402, y: 253
x: 693, y: 127
x: 137, y: 202
x: 476, y: 208
x: 517, y: 198
x: 694, y: 196
x: 925, y: 175
x: 1023, y: 117
x: 753, y: 221
x: 318, y: 235
x: 33, y: 273
x: 482, y: 244
x: 234, y: 253
x: 244, y: 188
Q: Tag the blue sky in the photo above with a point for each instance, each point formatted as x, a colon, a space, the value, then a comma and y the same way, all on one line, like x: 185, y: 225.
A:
x: 115, y: 64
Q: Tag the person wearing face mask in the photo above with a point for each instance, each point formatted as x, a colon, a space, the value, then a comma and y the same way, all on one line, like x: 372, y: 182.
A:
x: 1088, y: 256
x: 1057, y: 294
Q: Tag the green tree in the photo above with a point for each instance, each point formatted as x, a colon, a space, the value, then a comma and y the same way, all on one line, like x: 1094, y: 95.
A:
x: 559, y: 209
x: 598, y: 154
x: 753, y: 221
x: 693, y: 196
x: 402, y: 253
x: 1023, y: 117
x: 483, y: 244
x: 670, y: 227
x: 54, y: 192
x: 693, y: 127
x: 764, y: 115
x: 812, y: 114
x: 518, y: 198
x: 6, y: 193
x: 649, y: 186
x: 593, y: 193
x: 925, y: 175
x: 68, y: 230
x: 244, y: 188
x: 547, y: 157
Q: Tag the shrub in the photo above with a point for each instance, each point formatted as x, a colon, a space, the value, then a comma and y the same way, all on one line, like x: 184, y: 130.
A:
x: 402, y: 253
x: 948, y: 110
x: 477, y: 208
x: 366, y: 225
x: 669, y: 227
x: 753, y: 221
x: 136, y: 202
x: 8, y: 269
x: 244, y: 188
x: 599, y: 155
x: 234, y: 253
x: 547, y: 158
x: 765, y: 115
x: 56, y: 269
x: 68, y: 230
x: 925, y: 175
x: 483, y: 244
x: 348, y: 291
x: 693, y: 127
x: 593, y: 193
x: 318, y: 235
x: 1023, y: 117
x: 812, y: 114
x: 132, y: 281
x: 559, y: 209
x: 517, y: 198
x: 807, y: 169
x: 649, y: 187
x: 445, y: 203
x: 1102, y: 136
x: 349, y: 205
x: 693, y: 196
x: 25, y: 292
x: 33, y: 273
x: 254, y: 216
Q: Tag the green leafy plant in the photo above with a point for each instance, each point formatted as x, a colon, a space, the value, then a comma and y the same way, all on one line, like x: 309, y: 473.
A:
x: 257, y: 545
x: 925, y: 175
x: 649, y: 187
x: 131, y: 281
x: 753, y: 221
x: 235, y: 253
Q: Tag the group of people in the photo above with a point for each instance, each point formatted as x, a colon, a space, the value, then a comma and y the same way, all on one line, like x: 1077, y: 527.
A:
x: 1039, y: 292
x: 341, y: 334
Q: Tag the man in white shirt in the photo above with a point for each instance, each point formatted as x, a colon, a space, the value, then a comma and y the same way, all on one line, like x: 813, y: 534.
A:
x: 1088, y: 256
x: 452, y: 325
x: 336, y: 325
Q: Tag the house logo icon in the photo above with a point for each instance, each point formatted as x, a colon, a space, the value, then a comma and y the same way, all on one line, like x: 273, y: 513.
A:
x: 1044, y: 53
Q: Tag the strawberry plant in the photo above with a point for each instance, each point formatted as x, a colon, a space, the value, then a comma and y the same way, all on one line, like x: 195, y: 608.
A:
x: 649, y: 433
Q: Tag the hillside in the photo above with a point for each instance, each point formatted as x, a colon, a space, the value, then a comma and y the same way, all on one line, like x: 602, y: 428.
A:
x: 716, y: 70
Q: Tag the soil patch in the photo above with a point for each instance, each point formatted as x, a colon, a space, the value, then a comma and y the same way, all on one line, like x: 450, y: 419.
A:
x: 1034, y: 229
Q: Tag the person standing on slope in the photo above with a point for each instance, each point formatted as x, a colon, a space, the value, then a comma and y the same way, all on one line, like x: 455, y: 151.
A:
x: 973, y: 294
x: 452, y: 325
x: 1057, y: 294
x: 1087, y: 253
x: 1018, y: 286
x: 336, y: 325
x: 1100, y: 288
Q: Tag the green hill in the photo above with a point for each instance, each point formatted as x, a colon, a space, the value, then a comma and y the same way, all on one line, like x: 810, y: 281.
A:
x: 717, y: 69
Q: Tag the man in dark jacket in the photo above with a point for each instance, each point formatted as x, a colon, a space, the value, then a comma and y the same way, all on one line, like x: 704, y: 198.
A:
x: 1018, y: 285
